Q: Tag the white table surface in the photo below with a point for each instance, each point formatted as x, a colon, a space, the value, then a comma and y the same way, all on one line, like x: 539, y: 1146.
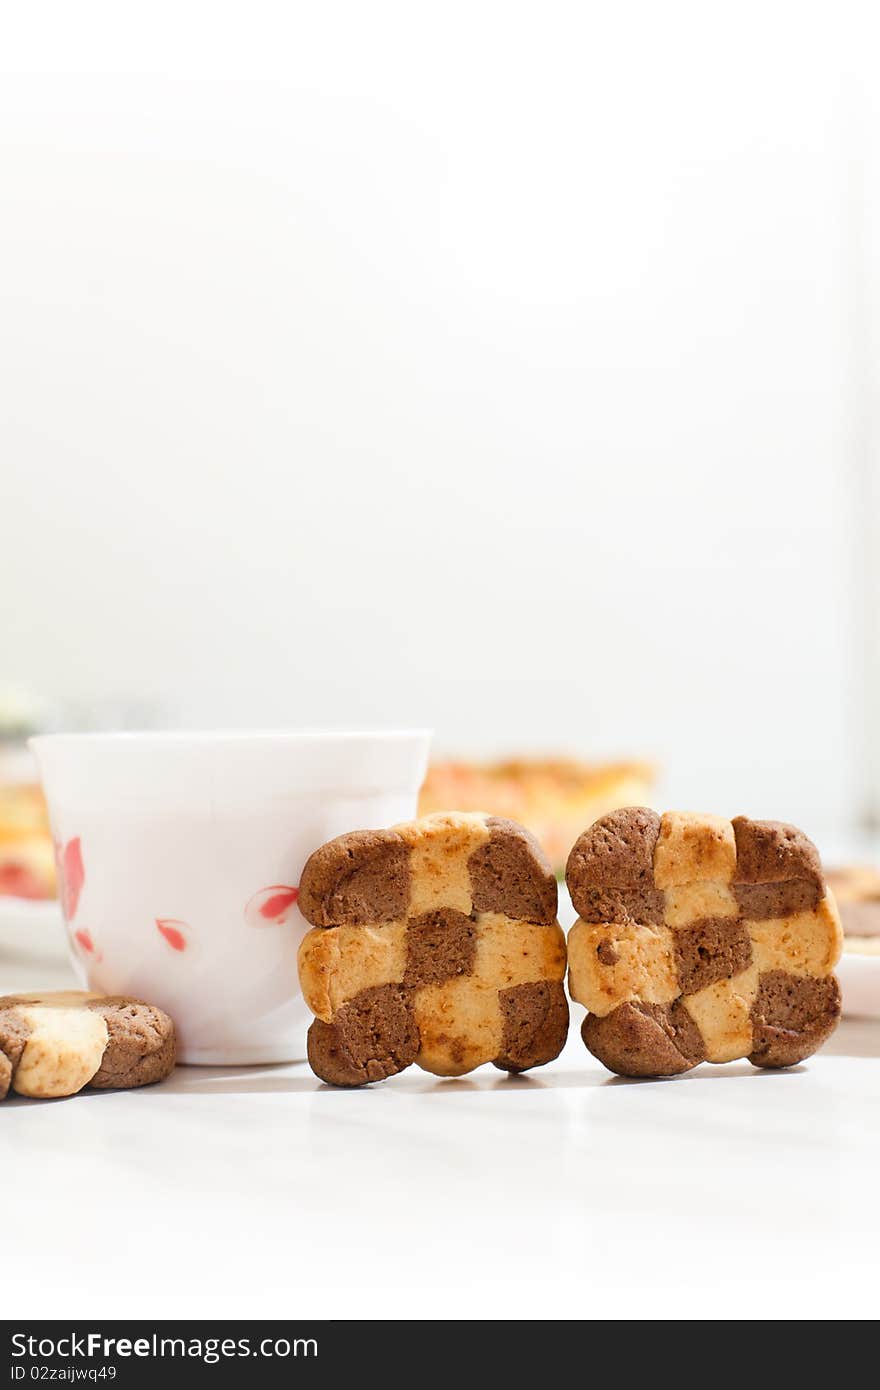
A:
x: 260, y: 1192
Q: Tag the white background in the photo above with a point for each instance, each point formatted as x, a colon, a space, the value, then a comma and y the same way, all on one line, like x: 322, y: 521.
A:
x: 507, y: 368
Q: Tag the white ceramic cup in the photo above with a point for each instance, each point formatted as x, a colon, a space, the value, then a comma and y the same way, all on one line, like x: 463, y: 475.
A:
x: 179, y: 858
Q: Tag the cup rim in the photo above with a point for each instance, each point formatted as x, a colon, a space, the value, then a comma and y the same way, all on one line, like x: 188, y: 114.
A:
x: 207, y: 736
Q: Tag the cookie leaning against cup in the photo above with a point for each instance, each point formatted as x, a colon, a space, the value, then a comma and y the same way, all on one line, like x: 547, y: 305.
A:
x: 434, y: 942
x: 54, y: 1044
x: 700, y: 939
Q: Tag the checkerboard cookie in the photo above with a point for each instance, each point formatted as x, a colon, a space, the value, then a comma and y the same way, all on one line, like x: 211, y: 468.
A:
x: 700, y: 939
x: 434, y: 942
x: 55, y: 1044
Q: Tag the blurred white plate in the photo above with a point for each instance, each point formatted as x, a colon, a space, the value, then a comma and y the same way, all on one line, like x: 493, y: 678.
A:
x: 32, y: 939
x: 859, y: 978
x: 28, y: 914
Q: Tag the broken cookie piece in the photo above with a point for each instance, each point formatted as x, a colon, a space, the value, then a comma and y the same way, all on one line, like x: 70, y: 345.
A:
x: 55, y: 1044
x: 434, y: 942
x: 700, y: 939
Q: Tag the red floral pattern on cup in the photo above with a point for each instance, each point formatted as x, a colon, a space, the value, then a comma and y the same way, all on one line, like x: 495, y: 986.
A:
x: 86, y: 946
x: 271, y: 907
x: 175, y: 932
x: 71, y: 875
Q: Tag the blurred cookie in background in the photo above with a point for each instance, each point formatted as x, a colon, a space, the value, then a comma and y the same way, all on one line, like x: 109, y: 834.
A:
x: 554, y: 798
x: 856, y: 888
x: 27, y: 867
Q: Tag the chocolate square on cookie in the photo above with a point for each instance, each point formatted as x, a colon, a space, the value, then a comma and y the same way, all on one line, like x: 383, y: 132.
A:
x: 700, y: 939
x: 434, y: 942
